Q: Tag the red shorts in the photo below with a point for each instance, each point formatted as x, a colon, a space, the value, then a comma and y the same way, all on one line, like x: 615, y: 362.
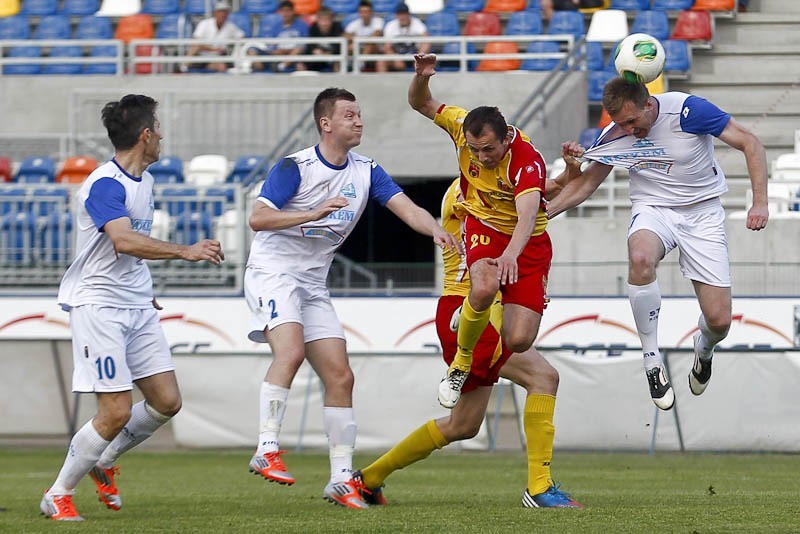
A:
x: 483, y: 373
x: 530, y: 290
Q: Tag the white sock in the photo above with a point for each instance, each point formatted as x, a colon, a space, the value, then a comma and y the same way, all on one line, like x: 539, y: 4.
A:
x: 84, y: 450
x: 272, y: 407
x: 143, y: 422
x: 646, y: 304
x: 340, y: 427
x: 708, y: 339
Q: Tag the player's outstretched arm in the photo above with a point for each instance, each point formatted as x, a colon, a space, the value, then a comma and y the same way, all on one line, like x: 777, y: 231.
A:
x: 576, y: 191
x: 421, y: 221
x: 571, y: 171
x: 419, y: 94
x: 740, y: 138
x: 265, y: 217
x: 128, y: 241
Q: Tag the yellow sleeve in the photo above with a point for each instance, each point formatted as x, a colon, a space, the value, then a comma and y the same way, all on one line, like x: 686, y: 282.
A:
x: 450, y: 119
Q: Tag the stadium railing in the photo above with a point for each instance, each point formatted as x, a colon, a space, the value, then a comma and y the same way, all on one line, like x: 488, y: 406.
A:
x: 6, y: 45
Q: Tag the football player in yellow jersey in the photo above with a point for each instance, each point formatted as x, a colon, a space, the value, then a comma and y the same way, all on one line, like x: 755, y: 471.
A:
x: 503, y: 183
x: 491, y: 359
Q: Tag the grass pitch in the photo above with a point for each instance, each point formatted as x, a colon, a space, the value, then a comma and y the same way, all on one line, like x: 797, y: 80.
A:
x: 449, y: 493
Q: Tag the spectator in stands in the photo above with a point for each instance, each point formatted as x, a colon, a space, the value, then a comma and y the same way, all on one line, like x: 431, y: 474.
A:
x: 404, y: 25
x: 117, y: 338
x: 549, y: 6
x: 293, y: 27
x: 666, y: 143
x: 215, y: 28
x: 324, y: 26
x: 743, y: 6
x: 366, y: 25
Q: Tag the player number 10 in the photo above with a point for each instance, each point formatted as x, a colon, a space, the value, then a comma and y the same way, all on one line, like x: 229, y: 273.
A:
x: 105, y: 365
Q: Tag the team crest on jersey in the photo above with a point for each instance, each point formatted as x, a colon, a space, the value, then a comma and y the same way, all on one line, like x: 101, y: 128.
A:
x: 503, y: 186
x: 474, y: 169
x: 349, y: 191
x: 643, y: 143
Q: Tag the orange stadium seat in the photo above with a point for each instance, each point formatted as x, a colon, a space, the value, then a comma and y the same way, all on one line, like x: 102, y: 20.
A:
x: 499, y: 47
x: 76, y: 169
x: 9, y: 8
x: 135, y: 27
x: 714, y: 5
x: 305, y: 7
x: 5, y: 170
x: 479, y: 23
x: 501, y: 6
x: 693, y: 26
x: 605, y: 119
x: 657, y: 86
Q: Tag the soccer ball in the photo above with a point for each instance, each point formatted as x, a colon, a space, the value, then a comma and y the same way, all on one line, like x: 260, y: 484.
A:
x: 639, y: 58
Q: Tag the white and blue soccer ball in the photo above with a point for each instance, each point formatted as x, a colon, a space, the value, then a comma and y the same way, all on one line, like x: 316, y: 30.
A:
x: 640, y: 58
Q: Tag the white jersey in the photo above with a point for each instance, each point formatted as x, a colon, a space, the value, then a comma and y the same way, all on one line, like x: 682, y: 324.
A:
x: 300, y: 182
x: 99, y: 275
x: 675, y: 164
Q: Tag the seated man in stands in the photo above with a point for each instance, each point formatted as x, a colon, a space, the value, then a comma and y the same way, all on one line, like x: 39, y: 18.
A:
x: 366, y: 25
x: 325, y: 26
x: 215, y: 28
x: 404, y: 25
x: 293, y: 27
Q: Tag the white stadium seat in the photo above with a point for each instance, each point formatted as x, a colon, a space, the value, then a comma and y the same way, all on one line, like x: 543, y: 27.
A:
x: 208, y: 169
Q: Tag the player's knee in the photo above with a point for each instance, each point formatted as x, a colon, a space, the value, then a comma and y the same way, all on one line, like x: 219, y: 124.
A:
x: 719, y: 323
x: 465, y: 430
x: 116, y: 419
x: 170, y: 408
x: 518, y: 341
x: 642, y: 264
x: 339, y: 380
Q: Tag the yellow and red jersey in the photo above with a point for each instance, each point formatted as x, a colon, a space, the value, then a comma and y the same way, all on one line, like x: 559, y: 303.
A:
x: 490, y: 194
x: 456, y: 274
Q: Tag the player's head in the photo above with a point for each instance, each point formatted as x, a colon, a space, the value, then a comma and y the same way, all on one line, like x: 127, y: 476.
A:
x: 132, y: 120
x: 338, y: 116
x: 487, y: 135
x: 629, y: 105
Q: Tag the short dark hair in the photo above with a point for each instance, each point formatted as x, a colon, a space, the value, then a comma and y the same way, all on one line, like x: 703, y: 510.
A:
x: 483, y: 116
x: 286, y: 3
x: 619, y: 90
x: 125, y: 119
x: 365, y: 3
x: 323, y: 104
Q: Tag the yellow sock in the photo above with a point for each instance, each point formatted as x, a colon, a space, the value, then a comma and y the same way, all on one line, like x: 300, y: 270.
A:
x: 470, y: 327
x: 539, y: 432
x: 415, y: 447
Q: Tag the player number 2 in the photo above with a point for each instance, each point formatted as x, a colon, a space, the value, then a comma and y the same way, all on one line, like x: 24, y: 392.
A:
x: 106, y: 366
x: 476, y: 240
x: 273, y: 313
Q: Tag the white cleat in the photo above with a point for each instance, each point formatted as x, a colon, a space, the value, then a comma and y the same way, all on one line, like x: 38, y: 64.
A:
x: 345, y: 494
x: 59, y: 507
x: 450, y: 387
x: 700, y: 374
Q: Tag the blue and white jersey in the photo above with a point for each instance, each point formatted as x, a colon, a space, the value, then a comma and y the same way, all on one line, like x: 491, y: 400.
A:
x: 303, y: 181
x: 99, y: 275
x: 675, y: 164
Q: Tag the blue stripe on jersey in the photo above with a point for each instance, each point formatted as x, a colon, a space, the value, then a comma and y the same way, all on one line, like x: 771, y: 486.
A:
x: 381, y: 186
x: 282, y: 182
x: 106, y: 202
x: 701, y: 117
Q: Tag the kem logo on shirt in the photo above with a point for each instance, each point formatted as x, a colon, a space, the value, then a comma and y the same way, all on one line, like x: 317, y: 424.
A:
x: 143, y: 226
x: 349, y: 191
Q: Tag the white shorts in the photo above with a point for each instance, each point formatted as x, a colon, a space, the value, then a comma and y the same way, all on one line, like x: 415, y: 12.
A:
x: 698, y: 231
x: 275, y: 299
x: 114, y: 347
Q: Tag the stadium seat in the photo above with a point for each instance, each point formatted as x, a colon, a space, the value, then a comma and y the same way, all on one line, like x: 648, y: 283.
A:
x: 217, y: 199
x: 679, y: 57
x: 174, y: 26
x: 309, y: 7
x: 504, y: 6
x: 147, y: 51
x: 382, y: 6
x: 208, y: 169
x: 442, y: 23
x: 36, y: 169
x: 786, y: 167
x: 610, y: 66
x: 543, y: 64
x: 39, y: 8
x: 228, y: 231
x: 630, y: 5
x: 455, y: 65
x: 594, y: 56
x: 604, y: 4
x: 597, y: 81
x: 64, y: 68
x: 92, y: 27
x: 465, y: 6
x: 161, y: 7
x: 101, y: 68
x: 17, y: 237
x: 79, y: 8
x: 76, y: 169
x: 524, y: 23
x: 53, y: 27
x: 5, y: 169
x: 656, y: 23
x: 162, y: 225
x: 135, y: 27
x: 657, y: 86
x: 569, y: 22
x: 192, y: 227
x: 499, y: 47
x: 25, y: 69
x: 55, y: 238
x: 243, y: 167
x: 244, y: 21
x: 608, y: 26
x: 605, y: 118
x: 483, y: 24
x: 177, y: 200
x: 9, y: 8
x: 51, y: 199
x: 269, y: 25
x: 588, y: 136
x: 119, y: 8
x: 341, y: 6
x: 259, y: 7
x: 714, y: 5
x: 196, y: 7
x: 16, y: 27
x: 13, y: 200
x: 694, y: 26
x: 167, y: 170
x: 672, y: 5
x: 424, y: 7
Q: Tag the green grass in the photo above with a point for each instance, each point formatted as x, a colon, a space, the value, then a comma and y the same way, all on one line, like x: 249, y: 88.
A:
x: 452, y: 493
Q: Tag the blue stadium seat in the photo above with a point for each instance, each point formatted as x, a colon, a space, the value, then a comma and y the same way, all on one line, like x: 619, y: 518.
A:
x: 36, y: 169
x: 672, y: 5
x: 243, y: 167
x: 656, y: 23
x: 259, y: 7
x: 167, y: 170
x: 534, y: 5
x: 341, y: 6
x: 39, y: 8
x: 26, y: 69
x: 442, y: 23
x: 217, y: 199
x: 347, y: 19
x: 16, y: 27
x: 524, y: 23
x: 192, y: 227
x: 610, y: 66
x: 678, y: 58
x: 567, y: 22
x: 50, y: 199
x: 55, y: 238
x: 79, y: 8
x: 588, y: 136
x: 597, y: 81
x: 244, y: 21
x: 386, y: 6
x: 92, y: 27
x: 594, y: 56
x: 13, y: 200
x: 174, y: 26
x: 454, y: 65
x: 174, y: 200
x: 269, y: 25
x: 53, y: 27
x: 630, y: 5
x: 464, y: 6
x: 101, y: 68
x: 17, y: 237
x: 160, y: 7
x: 195, y: 7
x: 541, y: 47
x: 64, y: 68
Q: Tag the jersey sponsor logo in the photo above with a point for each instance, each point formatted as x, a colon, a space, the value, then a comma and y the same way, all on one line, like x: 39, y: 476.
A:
x: 143, y: 226
x: 663, y: 166
x: 643, y: 143
x: 342, y: 215
x: 324, y: 232
x: 349, y: 191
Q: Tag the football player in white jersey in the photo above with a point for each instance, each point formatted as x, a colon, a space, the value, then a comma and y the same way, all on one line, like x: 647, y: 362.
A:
x: 666, y: 143
x: 117, y: 339
x: 308, y: 205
